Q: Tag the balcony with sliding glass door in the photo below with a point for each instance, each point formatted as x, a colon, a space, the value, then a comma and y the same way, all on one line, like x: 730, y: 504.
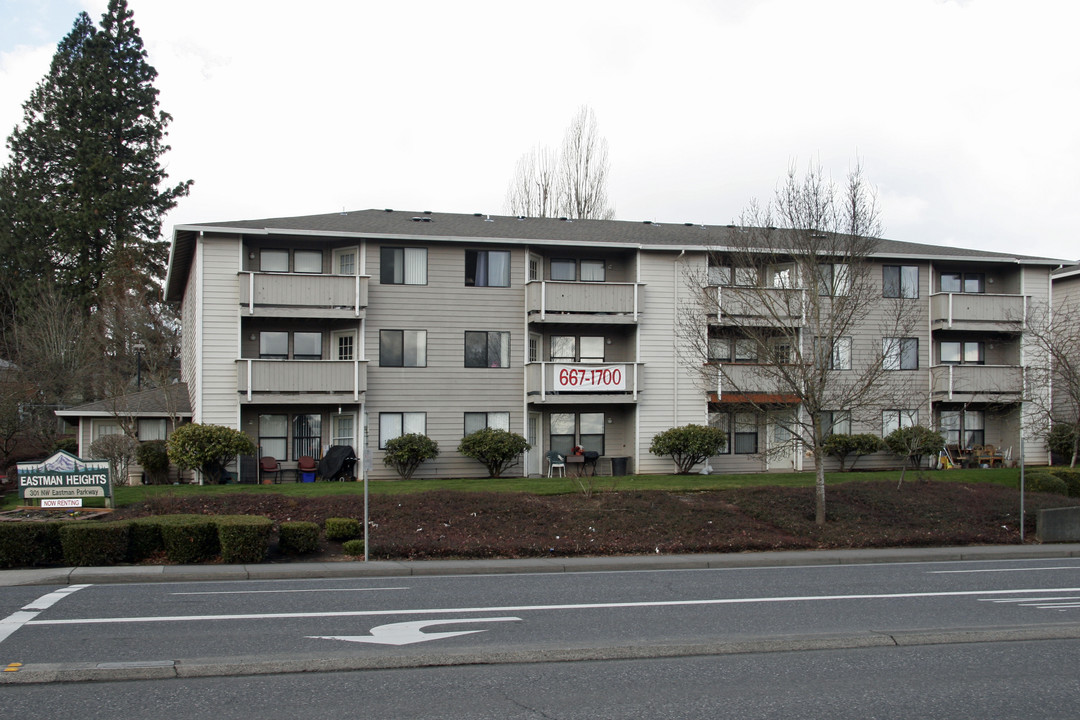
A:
x: 292, y: 366
x: 985, y: 299
x: 570, y: 289
x: 588, y: 365
x: 971, y: 369
x: 767, y: 296
x: 291, y: 282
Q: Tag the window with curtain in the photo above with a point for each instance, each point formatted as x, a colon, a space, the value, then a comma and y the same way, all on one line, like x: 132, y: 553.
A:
x: 307, y: 346
x: 151, y: 429
x: 956, y: 352
x: 307, y: 261
x: 593, y: 271
x: 894, y: 419
x: 900, y: 353
x: 274, y: 436
x: 274, y: 260
x: 563, y: 348
x: 479, y: 420
x: 403, y: 266
x: 563, y: 269
x: 487, y: 268
x: 968, y: 425
x: 274, y: 345
x: 833, y: 353
x: 342, y: 429
x: 487, y: 349
x: 591, y: 431
x: 403, y: 348
x: 561, y: 436
x: 396, y: 424
x: 722, y: 421
x: 900, y: 281
x: 746, y: 434
x: 834, y: 279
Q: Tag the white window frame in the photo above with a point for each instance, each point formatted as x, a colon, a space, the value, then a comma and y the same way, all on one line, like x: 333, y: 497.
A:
x: 396, y: 424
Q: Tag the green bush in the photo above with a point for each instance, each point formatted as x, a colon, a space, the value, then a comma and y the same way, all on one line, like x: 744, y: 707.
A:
x: 153, y: 456
x: 353, y: 547
x: 298, y: 537
x: 840, y: 445
x: 243, y: 538
x: 497, y: 450
x: 1061, y: 439
x: 207, y: 448
x: 342, y: 528
x: 1045, y: 482
x: 688, y: 445
x: 189, y: 538
x: 1071, y: 479
x: 914, y: 443
x: 406, y: 452
x: 86, y: 543
x: 144, y: 539
x: 30, y: 544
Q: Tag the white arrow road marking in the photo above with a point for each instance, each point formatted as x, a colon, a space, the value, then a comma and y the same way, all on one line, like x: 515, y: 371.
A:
x: 17, y: 619
x: 407, y: 633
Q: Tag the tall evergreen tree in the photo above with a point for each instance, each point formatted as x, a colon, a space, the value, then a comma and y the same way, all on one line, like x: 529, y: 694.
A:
x: 81, y: 199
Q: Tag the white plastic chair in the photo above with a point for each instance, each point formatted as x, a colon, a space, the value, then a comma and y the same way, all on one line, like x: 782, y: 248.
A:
x: 556, y: 462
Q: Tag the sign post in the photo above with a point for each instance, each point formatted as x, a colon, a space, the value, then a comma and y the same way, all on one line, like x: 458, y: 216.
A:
x: 64, y: 476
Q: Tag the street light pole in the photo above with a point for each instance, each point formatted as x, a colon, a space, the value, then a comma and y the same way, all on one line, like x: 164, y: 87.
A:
x: 138, y: 348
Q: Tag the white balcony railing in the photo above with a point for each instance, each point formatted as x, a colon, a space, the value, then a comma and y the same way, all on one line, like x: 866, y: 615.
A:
x: 330, y: 377
x: 977, y: 382
x: 978, y: 311
x: 303, y: 291
x: 548, y: 296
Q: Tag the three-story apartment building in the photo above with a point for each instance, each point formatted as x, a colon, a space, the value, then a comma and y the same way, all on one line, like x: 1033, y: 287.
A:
x: 353, y: 328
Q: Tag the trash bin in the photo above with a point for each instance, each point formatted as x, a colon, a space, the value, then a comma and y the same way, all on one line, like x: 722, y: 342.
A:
x: 618, y: 465
x: 307, y: 476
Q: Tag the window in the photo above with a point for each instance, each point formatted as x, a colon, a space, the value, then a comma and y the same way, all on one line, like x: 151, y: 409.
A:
x: 561, y: 437
x: 563, y: 348
x: 396, y: 424
x: 719, y: 275
x: 343, y: 346
x: 307, y: 436
x: 403, y: 266
x: 746, y: 276
x: 535, y: 343
x: 834, y: 354
x: 900, y: 353
x: 781, y: 351
x: 746, y: 434
x: 834, y: 279
x: 745, y: 351
x: 273, y: 436
x: 563, y: 270
x: 479, y: 420
x: 588, y: 428
x: 487, y: 349
x: 835, y: 422
x: 967, y: 424
x: 307, y: 346
x: 591, y: 349
x: 895, y: 419
x: 780, y: 276
x: 274, y: 345
x: 307, y: 261
x: 783, y: 425
x: 534, y: 267
x: 151, y: 429
x: 900, y: 281
x: 342, y: 430
x: 956, y: 352
x: 719, y: 349
x: 723, y: 422
x: 487, y: 268
x: 954, y: 282
x: 592, y: 271
x: 105, y: 427
x: 586, y: 349
x: 274, y: 261
x: 403, y: 348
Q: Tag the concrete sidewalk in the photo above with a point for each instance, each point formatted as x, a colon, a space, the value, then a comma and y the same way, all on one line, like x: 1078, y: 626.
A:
x: 394, y: 568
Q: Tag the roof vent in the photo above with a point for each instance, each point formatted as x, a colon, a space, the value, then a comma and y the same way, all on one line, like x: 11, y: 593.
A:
x: 421, y: 219
x: 478, y: 214
x: 688, y: 224
x: 521, y: 217
x: 427, y: 212
x: 564, y: 219
x: 387, y: 210
x: 488, y: 219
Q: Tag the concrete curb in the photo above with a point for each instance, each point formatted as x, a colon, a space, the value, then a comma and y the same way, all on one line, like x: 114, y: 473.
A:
x: 392, y: 568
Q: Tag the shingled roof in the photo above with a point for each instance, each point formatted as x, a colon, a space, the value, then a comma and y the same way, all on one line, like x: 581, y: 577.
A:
x: 483, y: 228
x: 158, y: 402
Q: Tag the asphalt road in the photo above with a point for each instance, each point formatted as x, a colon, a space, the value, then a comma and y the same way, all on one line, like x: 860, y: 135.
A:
x: 217, y: 629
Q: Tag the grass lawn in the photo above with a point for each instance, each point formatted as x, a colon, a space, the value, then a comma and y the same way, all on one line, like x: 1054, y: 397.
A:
x: 1008, y: 477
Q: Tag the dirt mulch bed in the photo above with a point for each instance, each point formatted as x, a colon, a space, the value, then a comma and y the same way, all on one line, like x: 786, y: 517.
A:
x: 444, y: 524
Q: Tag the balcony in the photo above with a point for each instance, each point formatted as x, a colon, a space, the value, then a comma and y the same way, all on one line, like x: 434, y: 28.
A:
x: 601, y: 303
x: 581, y: 383
x: 300, y: 381
x: 736, y: 382
x: 977, y: 383
x: 977, y: 311
x: 295, y: 295
x: 758, y: 307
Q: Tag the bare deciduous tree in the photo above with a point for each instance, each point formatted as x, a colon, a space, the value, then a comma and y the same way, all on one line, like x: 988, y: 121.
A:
x: 1055, y: 335
x: 789, y: 319
x: 571, y: 183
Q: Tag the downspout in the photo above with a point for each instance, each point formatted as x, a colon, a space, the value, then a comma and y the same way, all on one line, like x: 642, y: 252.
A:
x: 675, y: 345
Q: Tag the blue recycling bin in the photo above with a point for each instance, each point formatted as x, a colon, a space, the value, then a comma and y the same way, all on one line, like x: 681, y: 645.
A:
x: 307, y: 477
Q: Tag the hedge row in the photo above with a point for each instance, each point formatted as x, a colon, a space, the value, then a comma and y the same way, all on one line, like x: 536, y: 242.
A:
x: 183, y: 539
x: 1061, y: 481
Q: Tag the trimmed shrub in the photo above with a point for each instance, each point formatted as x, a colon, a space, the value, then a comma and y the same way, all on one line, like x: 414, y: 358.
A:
x: 1061, y: 440
x: 1071, y: 478
x: 840, y: 445
x: 243, y: 538
x: 406, y: 452
x: 913, y: 443
x: 87, y: 543
x: 342, y: 528
x: 688, y: 445
x: 1045, y: 482
x: 189, y: 538
x: 298, y: 537
x: 30, y: 544
x: 153, y: 456
x: 207, y: 448
x: 144, y: 539
x: 354, y: 548
x: 498, y: 450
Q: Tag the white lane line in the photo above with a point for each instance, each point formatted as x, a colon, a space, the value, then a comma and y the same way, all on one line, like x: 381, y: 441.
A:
x: 257, y: 592
x: 993, y: 570
x: 526, y: 608
x: 21, y: 617
x: 1027, y: 600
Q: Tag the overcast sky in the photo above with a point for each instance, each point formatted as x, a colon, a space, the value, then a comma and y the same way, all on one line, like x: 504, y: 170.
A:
x: 964, y: 113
